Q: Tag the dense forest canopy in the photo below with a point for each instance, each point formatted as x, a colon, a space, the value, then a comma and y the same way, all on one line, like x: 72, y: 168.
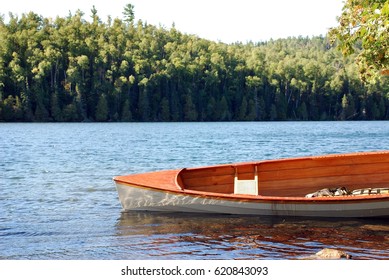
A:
x: 77, y: 69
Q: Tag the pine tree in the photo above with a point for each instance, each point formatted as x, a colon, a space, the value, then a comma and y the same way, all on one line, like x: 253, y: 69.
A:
x: 102, y: 109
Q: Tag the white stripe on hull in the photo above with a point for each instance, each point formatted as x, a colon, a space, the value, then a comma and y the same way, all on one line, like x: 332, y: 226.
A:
x: 135, y: 198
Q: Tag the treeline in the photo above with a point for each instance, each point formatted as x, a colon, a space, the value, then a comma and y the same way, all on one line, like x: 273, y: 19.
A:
x: 72, y: 69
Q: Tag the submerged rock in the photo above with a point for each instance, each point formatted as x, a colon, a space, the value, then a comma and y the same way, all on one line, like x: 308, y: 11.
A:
x: 332, y: 254
x: 329, y: 254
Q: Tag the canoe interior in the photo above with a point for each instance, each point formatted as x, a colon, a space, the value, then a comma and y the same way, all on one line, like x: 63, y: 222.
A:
x: 294, y: 177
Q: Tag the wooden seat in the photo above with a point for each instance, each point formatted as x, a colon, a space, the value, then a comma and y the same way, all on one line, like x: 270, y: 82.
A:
x: 246, y: 186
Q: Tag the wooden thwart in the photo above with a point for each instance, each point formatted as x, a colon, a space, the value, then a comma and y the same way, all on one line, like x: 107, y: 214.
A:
x: 246, y: 186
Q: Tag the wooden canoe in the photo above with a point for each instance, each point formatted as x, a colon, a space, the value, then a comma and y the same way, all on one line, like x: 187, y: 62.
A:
x: 282, y: 187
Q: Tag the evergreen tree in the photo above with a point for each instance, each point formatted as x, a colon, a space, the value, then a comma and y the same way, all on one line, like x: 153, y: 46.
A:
x: 128, y: 13
x: 102, y: 109
x: 126, y: 112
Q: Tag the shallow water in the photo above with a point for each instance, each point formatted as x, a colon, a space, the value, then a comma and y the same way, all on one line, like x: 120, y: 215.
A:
x: 58, y: 200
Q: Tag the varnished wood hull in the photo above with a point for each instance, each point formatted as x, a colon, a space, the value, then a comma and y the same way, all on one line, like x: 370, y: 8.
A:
x: 211, y: 189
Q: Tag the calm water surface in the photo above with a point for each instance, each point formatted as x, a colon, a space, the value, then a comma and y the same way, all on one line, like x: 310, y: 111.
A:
x: 58, y: 201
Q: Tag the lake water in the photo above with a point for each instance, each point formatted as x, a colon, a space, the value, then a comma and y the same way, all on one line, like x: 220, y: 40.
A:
x: 58, y: 201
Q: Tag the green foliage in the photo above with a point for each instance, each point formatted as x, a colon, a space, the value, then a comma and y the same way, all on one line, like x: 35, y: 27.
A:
x: 71, y: 69
x: 364, y: 28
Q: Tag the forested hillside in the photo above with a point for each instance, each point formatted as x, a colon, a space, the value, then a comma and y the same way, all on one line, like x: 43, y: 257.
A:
x: 80, y: 68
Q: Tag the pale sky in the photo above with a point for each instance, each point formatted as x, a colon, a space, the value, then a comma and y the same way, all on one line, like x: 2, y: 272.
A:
x: 227, y: 21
